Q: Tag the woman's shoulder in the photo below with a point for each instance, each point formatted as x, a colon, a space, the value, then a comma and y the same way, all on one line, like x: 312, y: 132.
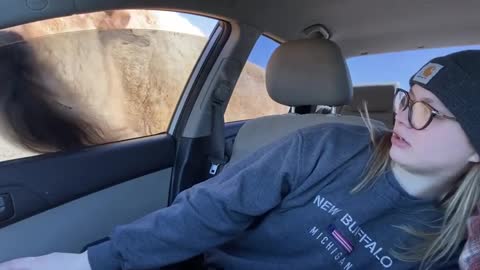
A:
x: 336, y: 142
x: 341, y: 133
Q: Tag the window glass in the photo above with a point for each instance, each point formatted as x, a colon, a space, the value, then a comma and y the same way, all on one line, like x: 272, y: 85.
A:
x: 250, y: 98
x: 395, y: 67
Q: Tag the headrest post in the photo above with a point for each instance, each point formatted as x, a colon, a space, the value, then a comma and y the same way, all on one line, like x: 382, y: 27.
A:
x: 317, y: 31
x: 335, y: 110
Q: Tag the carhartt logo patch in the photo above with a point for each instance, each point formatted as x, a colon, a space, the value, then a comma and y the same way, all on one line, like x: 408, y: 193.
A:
x: 427, y: 73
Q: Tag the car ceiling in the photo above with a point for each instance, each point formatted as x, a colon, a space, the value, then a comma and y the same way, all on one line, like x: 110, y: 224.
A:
x: 358, y: 26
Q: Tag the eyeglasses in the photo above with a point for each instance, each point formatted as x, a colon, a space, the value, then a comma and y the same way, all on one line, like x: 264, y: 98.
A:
x: 420, y: 113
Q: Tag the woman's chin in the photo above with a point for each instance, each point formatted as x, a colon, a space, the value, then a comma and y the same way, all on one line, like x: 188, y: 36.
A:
x: 397, y: 155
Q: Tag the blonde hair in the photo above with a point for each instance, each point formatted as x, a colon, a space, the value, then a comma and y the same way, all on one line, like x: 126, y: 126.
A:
x: 457, y: 205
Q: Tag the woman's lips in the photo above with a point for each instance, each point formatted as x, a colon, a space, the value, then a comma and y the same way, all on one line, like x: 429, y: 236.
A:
x: 399, y: 141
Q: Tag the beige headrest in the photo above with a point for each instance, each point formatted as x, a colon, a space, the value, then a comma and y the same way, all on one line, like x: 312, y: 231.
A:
x: 379, y: 98
x: 309, y: 72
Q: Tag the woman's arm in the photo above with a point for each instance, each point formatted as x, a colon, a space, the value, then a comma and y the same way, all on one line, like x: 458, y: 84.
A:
x: 206, y: 215
x: 202, y: 217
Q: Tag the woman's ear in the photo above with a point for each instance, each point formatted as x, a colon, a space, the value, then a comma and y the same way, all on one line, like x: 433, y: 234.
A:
x: 474, y: 158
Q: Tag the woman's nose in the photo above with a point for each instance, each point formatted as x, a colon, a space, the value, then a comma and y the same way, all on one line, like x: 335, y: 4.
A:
x: 401, y: 117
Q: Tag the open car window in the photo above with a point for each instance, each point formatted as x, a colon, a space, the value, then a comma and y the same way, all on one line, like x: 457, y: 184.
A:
x: 95, y: 78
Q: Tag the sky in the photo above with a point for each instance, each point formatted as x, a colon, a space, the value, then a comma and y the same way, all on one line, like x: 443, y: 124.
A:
x: 395, y: 67
x: 206, y: 25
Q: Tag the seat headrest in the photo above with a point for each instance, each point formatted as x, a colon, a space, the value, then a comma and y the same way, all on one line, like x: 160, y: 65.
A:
x: 379, y: 98
x: 309, y: 72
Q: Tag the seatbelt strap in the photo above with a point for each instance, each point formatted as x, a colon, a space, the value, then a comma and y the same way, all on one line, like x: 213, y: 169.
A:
x: 217, y: 157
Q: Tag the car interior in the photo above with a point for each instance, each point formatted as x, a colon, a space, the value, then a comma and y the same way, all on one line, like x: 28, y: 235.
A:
x: 66, y: 201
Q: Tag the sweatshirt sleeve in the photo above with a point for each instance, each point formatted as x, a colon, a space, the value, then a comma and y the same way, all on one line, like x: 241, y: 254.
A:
x: 208, y: 214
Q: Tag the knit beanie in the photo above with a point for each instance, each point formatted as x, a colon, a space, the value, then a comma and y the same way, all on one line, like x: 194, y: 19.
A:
x: 455, y: 80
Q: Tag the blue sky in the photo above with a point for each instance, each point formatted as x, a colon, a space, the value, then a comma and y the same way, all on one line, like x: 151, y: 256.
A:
x: 369, y: 69
x: 394, y: 67
x: 205, y: 24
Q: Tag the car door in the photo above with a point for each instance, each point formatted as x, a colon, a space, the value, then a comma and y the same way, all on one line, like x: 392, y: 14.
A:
x: 66, y: 199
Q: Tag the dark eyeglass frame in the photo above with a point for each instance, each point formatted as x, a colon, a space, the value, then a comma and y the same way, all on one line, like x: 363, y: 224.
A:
x: 410, y: 103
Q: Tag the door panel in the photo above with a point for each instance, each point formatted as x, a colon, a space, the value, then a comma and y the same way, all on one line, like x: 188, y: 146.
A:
x: 71, y: 226
x: 65, y: 201
x: 43, y: 182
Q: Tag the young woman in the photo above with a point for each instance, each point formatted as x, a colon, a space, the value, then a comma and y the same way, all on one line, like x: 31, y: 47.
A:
x: 326, y: 197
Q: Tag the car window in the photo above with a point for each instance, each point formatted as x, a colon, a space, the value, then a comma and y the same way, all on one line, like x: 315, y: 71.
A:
x: 396, y: 67
x: 94, y: 78
x: 250, y: 98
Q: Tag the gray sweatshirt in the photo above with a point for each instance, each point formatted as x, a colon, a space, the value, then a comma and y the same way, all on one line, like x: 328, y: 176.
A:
x: 287, y: 206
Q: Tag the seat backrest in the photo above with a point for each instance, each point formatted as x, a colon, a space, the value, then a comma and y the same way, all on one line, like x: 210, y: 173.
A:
x: 253, y: 134
x: 302, y: 72
x: 379, y: 99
